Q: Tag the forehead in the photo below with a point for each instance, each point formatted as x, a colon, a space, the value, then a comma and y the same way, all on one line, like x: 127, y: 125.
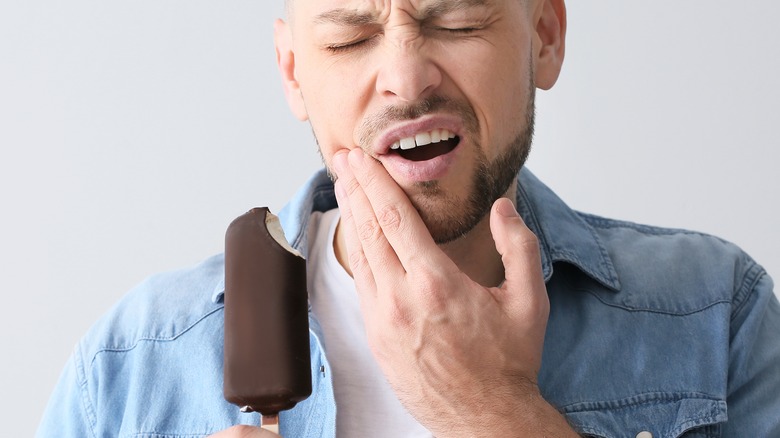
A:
x: 324, y: 9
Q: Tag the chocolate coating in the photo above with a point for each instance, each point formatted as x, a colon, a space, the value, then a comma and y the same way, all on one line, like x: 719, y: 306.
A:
x: 267, y: 359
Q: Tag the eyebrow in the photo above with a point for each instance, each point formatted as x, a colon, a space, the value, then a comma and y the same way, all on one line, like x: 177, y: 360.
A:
x: 441, y: 7
x: 345, y: 17
x: 352, y: 18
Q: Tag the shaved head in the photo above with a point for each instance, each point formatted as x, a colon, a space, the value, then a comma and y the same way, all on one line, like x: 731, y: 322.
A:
x: 363, y: 74
x: 287, y: 8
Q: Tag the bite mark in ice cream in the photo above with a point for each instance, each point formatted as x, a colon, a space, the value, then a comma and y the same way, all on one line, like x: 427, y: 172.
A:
x: 267, y: 365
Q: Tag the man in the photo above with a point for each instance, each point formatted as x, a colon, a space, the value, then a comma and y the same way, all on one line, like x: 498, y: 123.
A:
x: 437, y: 309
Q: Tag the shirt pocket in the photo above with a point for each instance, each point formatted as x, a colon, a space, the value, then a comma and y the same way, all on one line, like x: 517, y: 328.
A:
x: 657, y: 415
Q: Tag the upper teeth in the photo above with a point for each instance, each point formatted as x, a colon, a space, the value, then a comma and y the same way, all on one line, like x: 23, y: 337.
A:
x: 422, y: 139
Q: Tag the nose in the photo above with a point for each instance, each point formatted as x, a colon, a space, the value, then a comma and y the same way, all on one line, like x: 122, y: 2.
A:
x: 406, y: 72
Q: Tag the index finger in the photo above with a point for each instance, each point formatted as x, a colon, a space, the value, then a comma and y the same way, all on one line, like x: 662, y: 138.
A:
x: 401, y: 224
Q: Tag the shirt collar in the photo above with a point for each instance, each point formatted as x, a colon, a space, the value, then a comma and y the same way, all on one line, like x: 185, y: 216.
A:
x: 563, y: 235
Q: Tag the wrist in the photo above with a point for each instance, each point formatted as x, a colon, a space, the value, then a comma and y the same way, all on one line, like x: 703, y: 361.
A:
x: 523, y: 413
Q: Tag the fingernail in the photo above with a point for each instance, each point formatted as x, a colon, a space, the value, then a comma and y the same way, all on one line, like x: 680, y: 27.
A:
x: 506, y: 208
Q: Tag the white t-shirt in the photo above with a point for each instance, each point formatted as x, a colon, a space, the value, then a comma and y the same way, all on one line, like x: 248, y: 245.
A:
x: 366, y: 405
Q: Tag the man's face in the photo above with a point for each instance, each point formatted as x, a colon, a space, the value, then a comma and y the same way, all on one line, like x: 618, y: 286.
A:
x: 439, y: 91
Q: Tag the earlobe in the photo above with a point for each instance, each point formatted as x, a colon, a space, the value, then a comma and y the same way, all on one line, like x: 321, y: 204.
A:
x: 285, y: 60
x: 550, y: 41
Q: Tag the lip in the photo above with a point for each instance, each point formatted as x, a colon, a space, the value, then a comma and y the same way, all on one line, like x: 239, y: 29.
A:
x: 409, y: 128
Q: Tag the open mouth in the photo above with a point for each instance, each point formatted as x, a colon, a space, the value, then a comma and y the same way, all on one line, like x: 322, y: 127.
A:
x: 426, y: 145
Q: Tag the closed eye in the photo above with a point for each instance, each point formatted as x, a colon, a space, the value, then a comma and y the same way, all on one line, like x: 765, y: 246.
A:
x: 458, y: 29
x: 350, y: 46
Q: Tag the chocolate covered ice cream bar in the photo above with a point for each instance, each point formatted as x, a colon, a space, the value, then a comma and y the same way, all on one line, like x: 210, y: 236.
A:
x: 267, y: 360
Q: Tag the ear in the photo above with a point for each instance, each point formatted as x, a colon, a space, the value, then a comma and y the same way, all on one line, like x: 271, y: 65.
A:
x: 285, y: 60
x: 550, y: 41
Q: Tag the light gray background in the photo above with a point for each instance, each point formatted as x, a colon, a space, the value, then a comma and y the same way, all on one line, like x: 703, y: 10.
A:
x: 132, y: 132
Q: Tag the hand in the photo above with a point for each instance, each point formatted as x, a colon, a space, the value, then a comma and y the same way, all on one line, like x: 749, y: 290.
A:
x: 242, y: 431
x: 462, y: 358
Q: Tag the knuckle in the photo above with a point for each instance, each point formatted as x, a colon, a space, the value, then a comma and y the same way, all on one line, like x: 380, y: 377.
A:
x: 389, y: 218
x: 369, y: 230
x: 528, y: 243
x: 395, y: 312
x: 432, y: 291
x: 398, y: 315
x: 357, y: 261
x: 346, y: 214
x: 351, y: 186
x: 370, y: 180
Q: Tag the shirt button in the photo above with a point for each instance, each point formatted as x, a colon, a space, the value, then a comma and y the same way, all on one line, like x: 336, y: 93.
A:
x: 644, y: 434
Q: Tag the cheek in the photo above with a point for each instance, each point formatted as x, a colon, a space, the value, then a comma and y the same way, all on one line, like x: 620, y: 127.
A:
x: 333, y: 109
x: 496, y: 84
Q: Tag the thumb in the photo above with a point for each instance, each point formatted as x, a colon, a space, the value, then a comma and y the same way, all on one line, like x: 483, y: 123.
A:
x: 519, y: 250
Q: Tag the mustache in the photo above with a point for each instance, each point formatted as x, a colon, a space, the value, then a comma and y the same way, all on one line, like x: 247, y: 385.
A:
x: 376, y: 123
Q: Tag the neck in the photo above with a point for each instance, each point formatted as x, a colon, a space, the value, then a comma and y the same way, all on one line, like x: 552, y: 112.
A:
x: 475, y: 253
x: 476, y: 256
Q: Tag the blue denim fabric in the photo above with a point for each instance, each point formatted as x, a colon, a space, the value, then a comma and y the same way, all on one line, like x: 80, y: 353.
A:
x: 667, y: 331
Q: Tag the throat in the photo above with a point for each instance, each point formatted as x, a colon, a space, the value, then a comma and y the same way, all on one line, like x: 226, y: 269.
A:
x: 476, y: 256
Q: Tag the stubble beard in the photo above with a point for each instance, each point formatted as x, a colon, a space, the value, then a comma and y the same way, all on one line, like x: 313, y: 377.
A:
x: 448, y: 217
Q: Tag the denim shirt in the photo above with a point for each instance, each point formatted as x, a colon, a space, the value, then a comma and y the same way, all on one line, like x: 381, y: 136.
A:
x: 667, y: 331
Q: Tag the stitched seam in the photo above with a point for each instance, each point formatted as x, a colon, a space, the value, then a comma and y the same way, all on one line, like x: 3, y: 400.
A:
x: 715, y: 431
x: 651, y: 399
x: 299, y: 238
x: 753, y: 275
x: 86, y: 403
x: 606, y: 260
x: 696, y: 421
x: 591, y: 432
x: 155, y: 434
x: 645, y: 398
x: 656, y: 311
x: 322, y: 191
x: 609, y: 279
x: 526, y: 206
x: 119, y: 349
x: 604, y: 223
